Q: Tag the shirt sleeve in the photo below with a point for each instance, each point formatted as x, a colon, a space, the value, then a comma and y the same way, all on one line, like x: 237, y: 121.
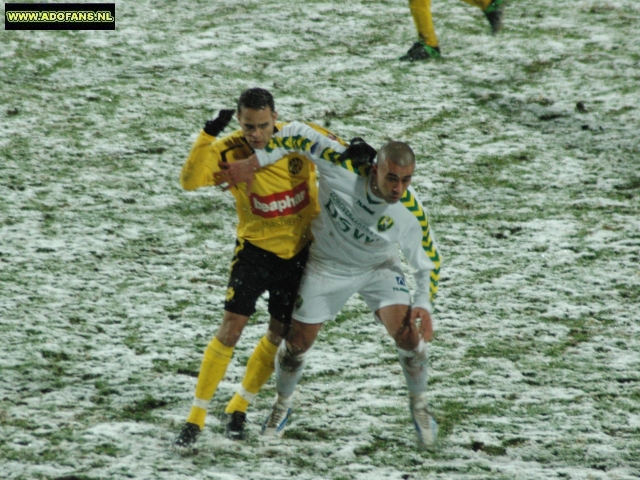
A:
x: 420, y: 250
x: 300, y: 137
x: 201, y: 164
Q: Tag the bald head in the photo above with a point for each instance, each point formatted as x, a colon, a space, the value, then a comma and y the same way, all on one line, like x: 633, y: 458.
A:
x: 391, y: 175
x: 396, y: 152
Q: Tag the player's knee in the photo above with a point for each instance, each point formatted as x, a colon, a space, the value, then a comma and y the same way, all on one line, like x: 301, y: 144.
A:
x: 406, y: 337
x: 289, y: 358
x: 274, y: 338
x: 277, y: 330
x: 414, y: 359
x: 231, y: 328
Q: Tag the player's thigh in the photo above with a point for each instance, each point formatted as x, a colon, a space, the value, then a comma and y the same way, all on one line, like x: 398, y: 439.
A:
x: 231, y: 328
x: 302, y: 336
x: 283, y: 289
x: 277, y: 330
x: 385, y: 286
x: 322, y: 295
x: 397, y: 320
x: 247, y: 281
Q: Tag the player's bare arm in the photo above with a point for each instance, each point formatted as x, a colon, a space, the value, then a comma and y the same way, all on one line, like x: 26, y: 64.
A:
x: 231, y: 174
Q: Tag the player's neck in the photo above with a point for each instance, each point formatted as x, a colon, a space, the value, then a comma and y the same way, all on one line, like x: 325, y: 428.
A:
x: 373, y: 184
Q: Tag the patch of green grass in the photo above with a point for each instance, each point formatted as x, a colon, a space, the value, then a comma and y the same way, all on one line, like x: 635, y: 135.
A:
x: 346, y: 314
x: 104, y: 391
x: 514, y: 442
x: 108, y: 449
x: 55, y: 356
x: 326, y: 374
x: 436, y: 120
x: 194, y: 206
x: 303, y: 461
x: 580, y: 331
x: 178, y: 306
x: 134, y: 340
x: 494, y: 171
x: 378, y: 444
x: 30, y: 456
x: 142, y: 410
x: 450, y: 198
x: 309, y: 434
x: 387, y: 411
x: 57, y: 436
x: 538, y: 66
x: 602, y: 9
x: 452, y: 412
x: 207, y: 226
x: 500, y: 349
x: 345, y: 324
x: 191, y: 369
x: 633, y: 183
x: 502, y: 161
x: 493, y: 450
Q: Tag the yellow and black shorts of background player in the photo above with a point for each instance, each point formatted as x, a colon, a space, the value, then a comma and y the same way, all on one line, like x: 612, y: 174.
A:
x: 255, y: 271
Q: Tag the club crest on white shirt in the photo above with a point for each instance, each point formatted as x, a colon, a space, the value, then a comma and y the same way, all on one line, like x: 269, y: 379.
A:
x: 385, y: 223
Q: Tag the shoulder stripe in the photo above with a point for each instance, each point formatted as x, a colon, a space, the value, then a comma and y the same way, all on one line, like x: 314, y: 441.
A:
x: 303, y: 144
x: 413, y: 205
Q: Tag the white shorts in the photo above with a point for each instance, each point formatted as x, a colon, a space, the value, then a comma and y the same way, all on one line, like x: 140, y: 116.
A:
x: 322, y: 293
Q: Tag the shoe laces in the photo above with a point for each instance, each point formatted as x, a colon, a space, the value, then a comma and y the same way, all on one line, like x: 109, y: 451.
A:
x: 278, y: 413
x: 421, y: 411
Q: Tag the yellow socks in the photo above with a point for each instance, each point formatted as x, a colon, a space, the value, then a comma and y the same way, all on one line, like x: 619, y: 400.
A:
x: 481, y: 4
x: 259, y: 368
x: 421, y: 13
x: 214, y: 366
x: 216, y: 359
x: 237, y: 404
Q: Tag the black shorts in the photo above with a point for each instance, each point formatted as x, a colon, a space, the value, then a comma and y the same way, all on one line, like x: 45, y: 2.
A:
x: 254, y: 271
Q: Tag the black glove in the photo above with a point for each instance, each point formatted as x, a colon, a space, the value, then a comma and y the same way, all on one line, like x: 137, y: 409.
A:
x: 360, y: 153
x: 215, y: 126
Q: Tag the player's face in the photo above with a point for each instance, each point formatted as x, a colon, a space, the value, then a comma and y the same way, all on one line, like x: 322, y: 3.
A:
x: 392, y: 180
x: 257, y: 125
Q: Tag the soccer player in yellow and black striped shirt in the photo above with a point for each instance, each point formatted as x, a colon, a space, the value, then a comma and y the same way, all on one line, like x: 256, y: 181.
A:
x: 273, y: 236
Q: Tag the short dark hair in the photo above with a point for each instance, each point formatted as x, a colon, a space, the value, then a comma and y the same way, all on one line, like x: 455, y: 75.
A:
x: 256, y: 99
x: 397, y: 152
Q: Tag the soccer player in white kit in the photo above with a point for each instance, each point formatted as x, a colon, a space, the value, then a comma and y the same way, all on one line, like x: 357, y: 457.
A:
x: 367, y: 211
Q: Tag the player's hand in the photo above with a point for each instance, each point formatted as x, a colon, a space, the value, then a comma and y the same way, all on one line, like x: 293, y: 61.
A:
x: 218, y: 124
x: 425, y: 327
x: 360, y: 153
x: 231, y: 174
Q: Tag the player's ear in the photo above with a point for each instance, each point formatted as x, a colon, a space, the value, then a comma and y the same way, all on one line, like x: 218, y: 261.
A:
x: 275, y: 116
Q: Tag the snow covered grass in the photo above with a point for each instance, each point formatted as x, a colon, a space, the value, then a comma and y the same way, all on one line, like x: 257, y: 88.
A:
x: 112, y: 277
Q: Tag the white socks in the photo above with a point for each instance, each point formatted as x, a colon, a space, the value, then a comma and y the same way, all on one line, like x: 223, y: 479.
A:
x: 288, y: 371
x: 414, y: 367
